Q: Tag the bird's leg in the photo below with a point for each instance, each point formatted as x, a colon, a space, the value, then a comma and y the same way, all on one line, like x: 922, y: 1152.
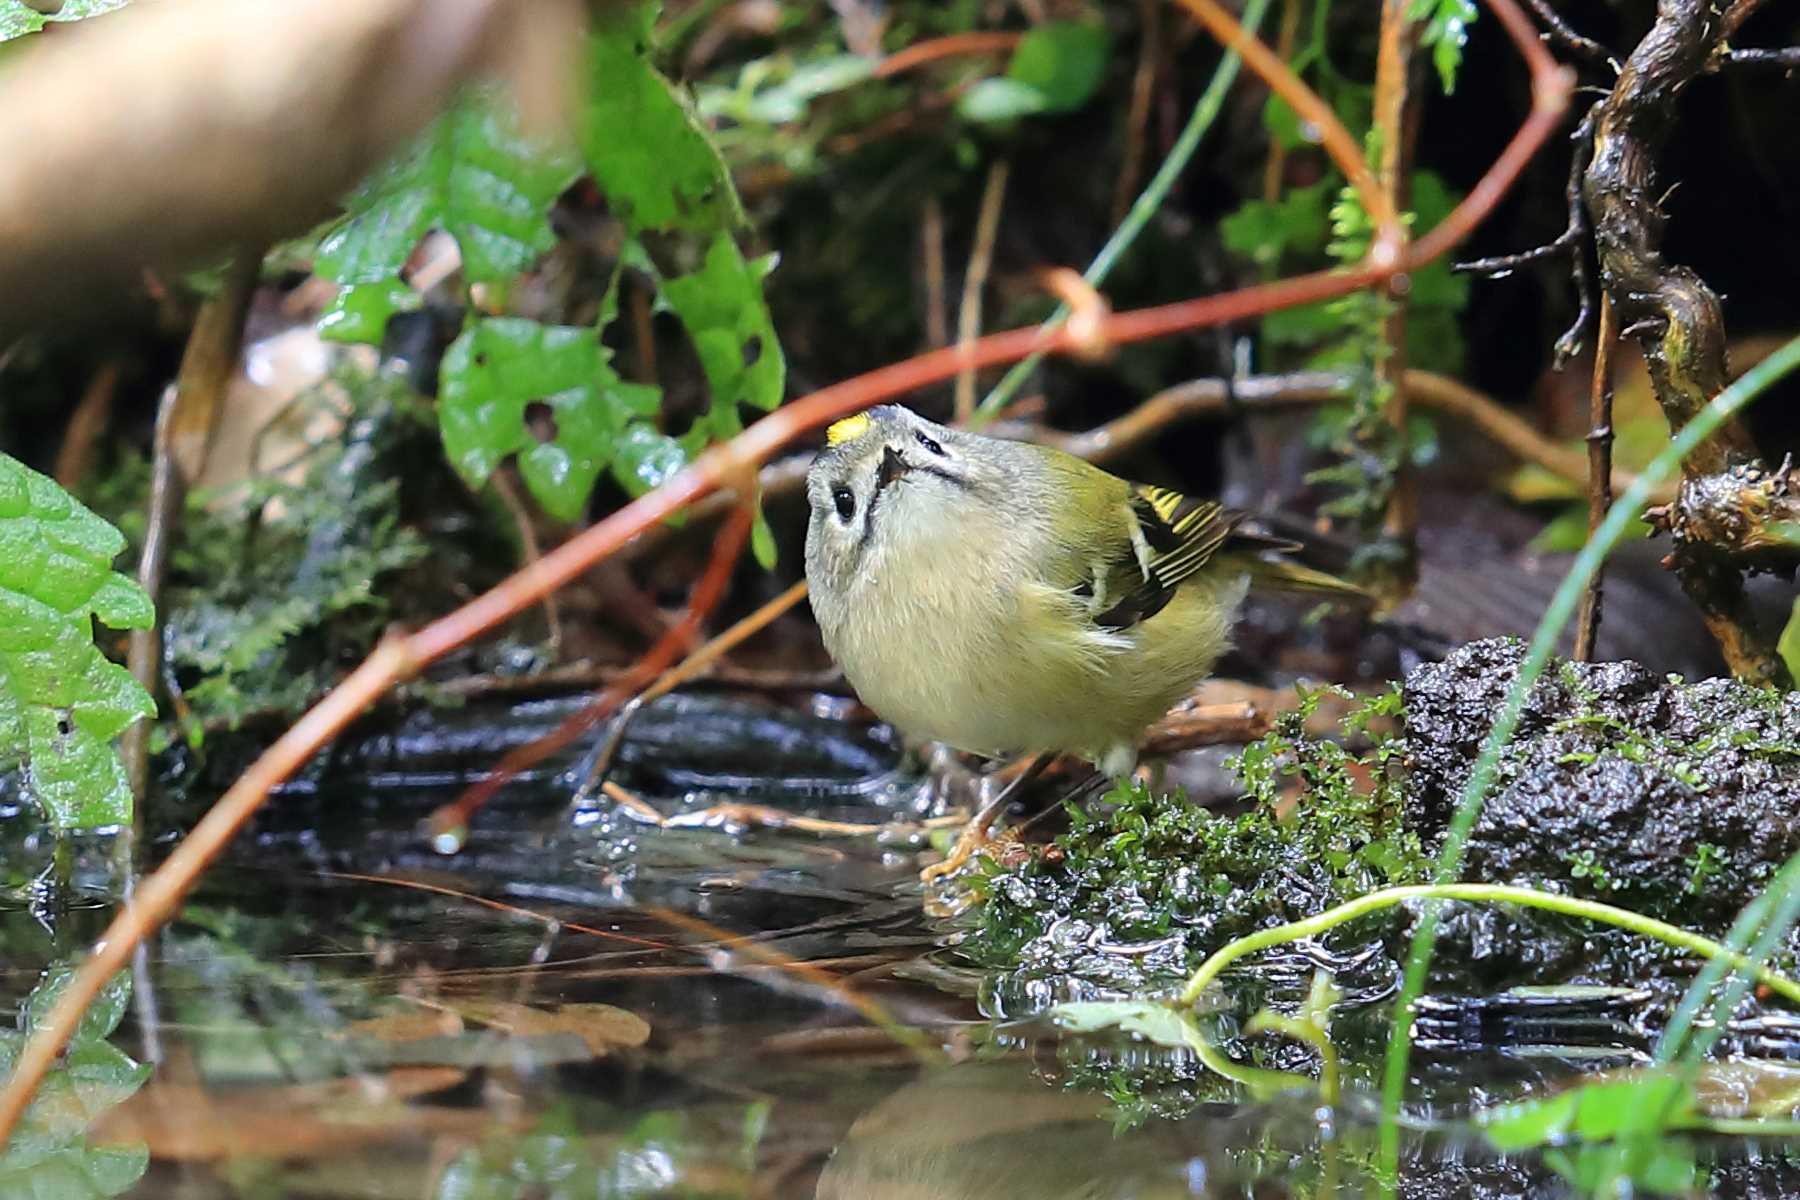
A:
x: 975, y: 834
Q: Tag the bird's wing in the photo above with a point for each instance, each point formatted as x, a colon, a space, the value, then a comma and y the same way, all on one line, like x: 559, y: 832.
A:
x: 1170, y: 536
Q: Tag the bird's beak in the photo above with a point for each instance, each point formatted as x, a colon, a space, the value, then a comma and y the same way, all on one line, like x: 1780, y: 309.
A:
x: 892, y: 467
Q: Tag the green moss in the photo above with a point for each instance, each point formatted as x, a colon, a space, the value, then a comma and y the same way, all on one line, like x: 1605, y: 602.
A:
x: 1142, y: 888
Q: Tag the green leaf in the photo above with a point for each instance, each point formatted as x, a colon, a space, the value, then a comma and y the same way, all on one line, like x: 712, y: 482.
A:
x: 360, y: 311
x: 497, y: 368
x: 786, y: 101
x: 1296, y: 224
x: 722, y: 307
x: 62, y: 701
x: 991, y: 100
x: 114, y: 1169
x: 471, y: 174
x: 1670, y: 1168
x: 647, y: 151
x: 1592, y: 1112
x: 1302, y: 325
x: 1063, y: 61
x: 1789, y: 645
x: 100, y: 1019
x: 762, y: 538
x: 1156, y: 1023
x: 645, y: 459
x: 1446, y: 31
x: 18, y: 19
x: 1283, y: 124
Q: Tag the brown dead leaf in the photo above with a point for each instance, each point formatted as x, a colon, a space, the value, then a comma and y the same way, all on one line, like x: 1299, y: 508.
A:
x: 602, y: 1028
x: 190, y: 1123
x: 411, y: 1024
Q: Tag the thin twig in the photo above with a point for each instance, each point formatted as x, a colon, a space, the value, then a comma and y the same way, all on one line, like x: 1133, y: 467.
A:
x: 210, y: 360
x: 1787, y: 60
x: 1560, y: 33
x: 981, y: 258
x: 92, y: 412
x: 931, y: 243
x: 1137, y: 115
x: 185, y: 422
x: 691, y: 667
x: 144, y: 651
x: 1600, y: 492
x: 529, y: 547
x: 1275, y: 165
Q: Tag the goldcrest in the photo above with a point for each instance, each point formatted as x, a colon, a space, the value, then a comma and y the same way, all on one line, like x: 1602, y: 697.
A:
x: 1004, y: 597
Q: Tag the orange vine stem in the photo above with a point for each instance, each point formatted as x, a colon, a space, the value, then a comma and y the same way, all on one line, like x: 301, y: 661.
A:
x: 950, y: 46
x: 1312, y: 111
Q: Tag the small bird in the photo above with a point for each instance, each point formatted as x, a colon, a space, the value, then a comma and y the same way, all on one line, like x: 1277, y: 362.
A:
x: 1005, y: 597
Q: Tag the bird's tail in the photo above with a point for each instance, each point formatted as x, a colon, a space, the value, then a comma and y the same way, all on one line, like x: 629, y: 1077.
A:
x: 1286, y: 575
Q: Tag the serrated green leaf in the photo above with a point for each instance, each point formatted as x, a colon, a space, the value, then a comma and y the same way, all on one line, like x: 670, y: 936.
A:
x: 472, y: 174
x: 61, y: 700
x: 497, y: 369
x: 360, y: 311
x: 18, y: 19
x: 1063, y: 61
x: 647, y: 151
x: 1446, y: 31
x: 722, y: 307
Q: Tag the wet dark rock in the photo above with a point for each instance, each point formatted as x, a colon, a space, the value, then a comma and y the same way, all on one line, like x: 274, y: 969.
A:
x: 1676, y: 800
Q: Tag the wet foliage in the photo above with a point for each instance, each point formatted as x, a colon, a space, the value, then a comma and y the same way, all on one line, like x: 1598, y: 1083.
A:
x: 1145, y: 885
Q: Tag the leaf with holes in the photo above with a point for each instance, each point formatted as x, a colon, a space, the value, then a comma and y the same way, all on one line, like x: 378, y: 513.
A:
x: 61, y: 700
x: 723, y: 309
x: 647, y: 151
x: 472, y: 174
x: 498, y: 369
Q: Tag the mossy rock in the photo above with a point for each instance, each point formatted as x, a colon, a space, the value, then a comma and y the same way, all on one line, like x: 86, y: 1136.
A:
x: 1672, y: 799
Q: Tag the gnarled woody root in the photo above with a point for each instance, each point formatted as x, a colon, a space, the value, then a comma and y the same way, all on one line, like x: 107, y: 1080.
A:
x: 1721, y: 518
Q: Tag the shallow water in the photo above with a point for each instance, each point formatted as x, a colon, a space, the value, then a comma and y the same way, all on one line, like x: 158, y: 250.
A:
x: 584, y: 1005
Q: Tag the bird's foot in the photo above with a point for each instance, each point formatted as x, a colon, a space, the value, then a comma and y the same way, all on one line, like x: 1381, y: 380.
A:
x: 974, y: 839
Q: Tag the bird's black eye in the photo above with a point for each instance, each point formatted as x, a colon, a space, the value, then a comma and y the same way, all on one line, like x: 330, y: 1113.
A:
x: 845, y: 500
x: 930, y: 443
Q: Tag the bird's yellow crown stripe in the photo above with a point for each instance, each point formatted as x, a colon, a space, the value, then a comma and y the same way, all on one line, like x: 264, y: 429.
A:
x: 847, y: 429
